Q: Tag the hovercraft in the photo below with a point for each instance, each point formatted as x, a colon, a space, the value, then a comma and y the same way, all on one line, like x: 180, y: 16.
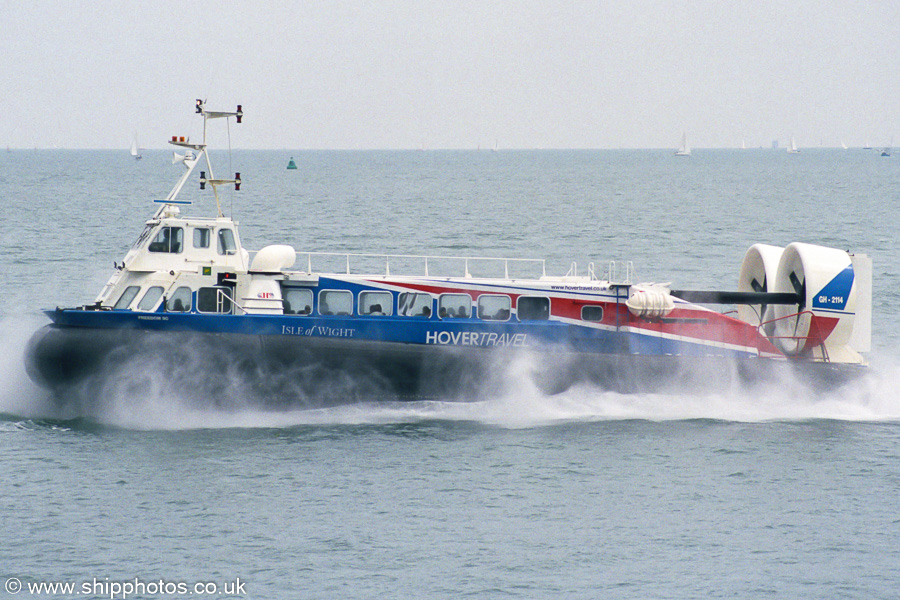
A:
x: 187, y: 290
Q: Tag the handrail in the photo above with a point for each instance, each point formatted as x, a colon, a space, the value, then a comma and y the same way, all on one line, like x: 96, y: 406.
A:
x: 424, y: 258
x: 429, y: 259
x: 613, y: 271
x: 796, y: 314
x: 221, y: 296
x: 812, y: 335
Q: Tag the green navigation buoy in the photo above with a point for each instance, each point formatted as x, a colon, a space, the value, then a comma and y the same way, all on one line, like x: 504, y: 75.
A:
x: 292, y: 164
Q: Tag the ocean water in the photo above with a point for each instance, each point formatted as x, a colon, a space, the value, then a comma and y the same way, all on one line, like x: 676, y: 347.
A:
x: 747, y: 493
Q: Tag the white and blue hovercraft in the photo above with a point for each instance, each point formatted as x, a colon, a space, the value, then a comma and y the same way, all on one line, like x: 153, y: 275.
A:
x: 187, y: 288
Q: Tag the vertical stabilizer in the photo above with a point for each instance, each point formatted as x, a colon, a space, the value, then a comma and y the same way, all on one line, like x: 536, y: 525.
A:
x: 861, y: 338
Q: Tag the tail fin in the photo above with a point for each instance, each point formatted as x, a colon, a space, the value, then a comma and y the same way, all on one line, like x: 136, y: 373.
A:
x: 861, y: 338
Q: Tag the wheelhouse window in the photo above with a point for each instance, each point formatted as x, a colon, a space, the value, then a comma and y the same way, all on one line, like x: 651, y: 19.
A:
x: 533, y: 308
x: 454, y: 306
x: 297, y: 301
x: 226, y: 244
x: 180, y: 301
x: 414, y: 304
x: 201, y: 237
x: 151, y: 297
x: 376, y: 303
x: 591, y: 313
x: 169, y: 239
x: 335, y: 302
x: 145, y: 235
x: 493, y: 307
x: 214, y: 300
x: 126, y: 297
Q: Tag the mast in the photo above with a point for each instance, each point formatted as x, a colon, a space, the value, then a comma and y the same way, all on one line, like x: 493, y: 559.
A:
x: 192, y: 157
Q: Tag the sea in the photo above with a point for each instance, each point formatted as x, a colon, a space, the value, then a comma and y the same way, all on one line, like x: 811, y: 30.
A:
x: 157, y: 491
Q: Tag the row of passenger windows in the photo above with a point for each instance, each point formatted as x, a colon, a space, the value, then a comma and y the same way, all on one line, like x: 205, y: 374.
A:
x: 299, y: 301
x: 490, y: 307
x: 171, y: 240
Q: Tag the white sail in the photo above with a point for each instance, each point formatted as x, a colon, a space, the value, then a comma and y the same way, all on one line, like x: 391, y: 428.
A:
x: 135, y: 151
x: 792, y: 149
x: 684, y: 150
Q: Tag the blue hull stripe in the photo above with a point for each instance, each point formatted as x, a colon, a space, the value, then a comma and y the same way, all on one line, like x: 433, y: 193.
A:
x: 407, y: 330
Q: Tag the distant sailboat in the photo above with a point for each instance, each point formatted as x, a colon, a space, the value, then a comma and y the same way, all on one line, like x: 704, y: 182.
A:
x: 887, y: 151
x: 135, y: 151
x: 792, y: 149
x: 843, y: 145
x: 684, y: 150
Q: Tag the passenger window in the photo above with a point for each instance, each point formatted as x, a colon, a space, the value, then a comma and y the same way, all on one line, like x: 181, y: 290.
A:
x: 127, y: 296
x: 297, y: 301
x: 414, y: 304
x: 454, y: 306
x: 533, y: 308
x: 151, y: 296
x: 335, y: 302
x: 591, y: 313
x: 201, y: 237
x: 180, y: 300
x: 492, y: 307
x: 214, y: 300
x: 226, y: 243
x: 168, y: 239
x: 376, y: 303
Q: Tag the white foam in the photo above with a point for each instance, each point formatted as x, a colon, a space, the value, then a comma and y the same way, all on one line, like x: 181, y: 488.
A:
x: 522, y: 405
x: 18, y: 394
x: 155, y: 396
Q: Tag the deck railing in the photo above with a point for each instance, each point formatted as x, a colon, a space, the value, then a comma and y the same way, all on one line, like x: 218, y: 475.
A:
x: 621, y: 272
x: 431, y: 265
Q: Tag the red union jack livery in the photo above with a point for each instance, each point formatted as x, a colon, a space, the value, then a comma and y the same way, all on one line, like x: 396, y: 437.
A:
x: 446, y: 323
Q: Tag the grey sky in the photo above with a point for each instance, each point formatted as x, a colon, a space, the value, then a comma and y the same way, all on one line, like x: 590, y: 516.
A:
x: 452, y: 74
